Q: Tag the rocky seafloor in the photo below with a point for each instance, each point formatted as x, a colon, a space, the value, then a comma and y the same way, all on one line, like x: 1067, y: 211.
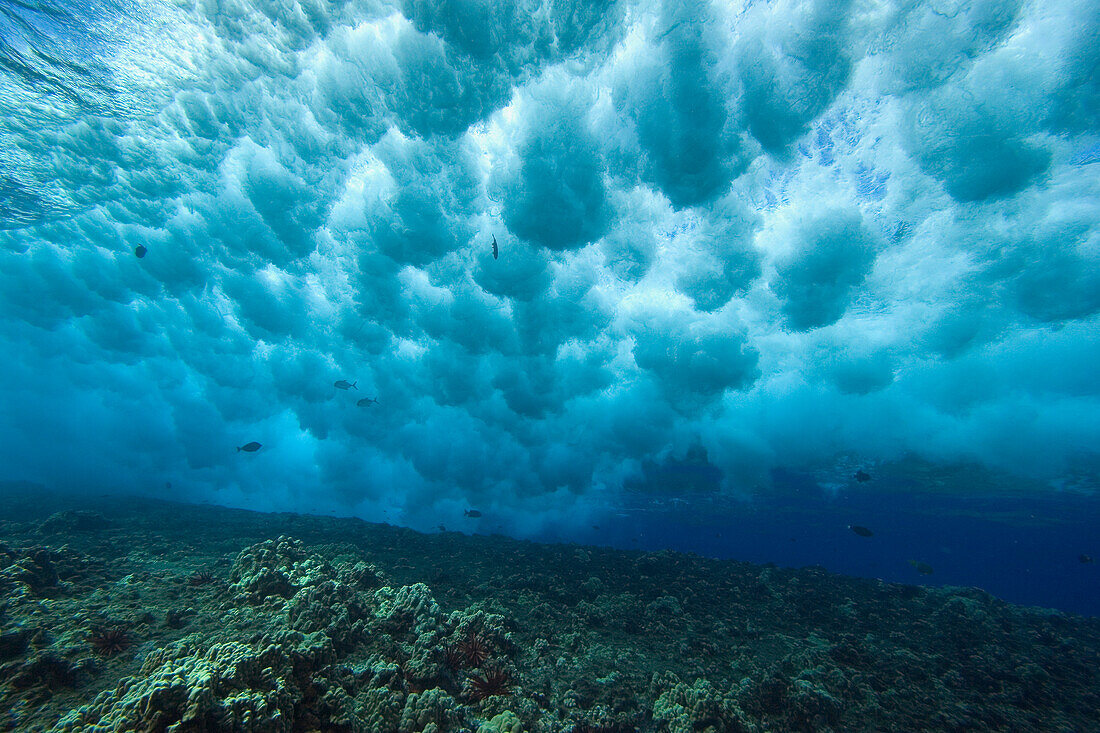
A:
x: 135, y: 615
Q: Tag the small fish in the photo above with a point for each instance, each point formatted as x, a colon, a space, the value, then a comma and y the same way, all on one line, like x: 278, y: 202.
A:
x: 1084, y: 558
x: 473, y: 513
x: 168, y: 485
x: 367, y: 401
x: 495, y: 250
x: 345, y: 384
x: 862, y: 476
x: 861, y: 531
x: 442, y: 528
x: 140, y: 251
x: 922, y: 567
x: 249, y: 447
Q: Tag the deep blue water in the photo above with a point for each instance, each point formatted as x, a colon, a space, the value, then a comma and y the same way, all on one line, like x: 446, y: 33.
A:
x: 1022, y: 549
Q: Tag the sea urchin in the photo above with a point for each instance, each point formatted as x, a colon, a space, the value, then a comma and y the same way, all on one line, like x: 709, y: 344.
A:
x: 474, y: 648
x: 495, y: 681
x: 108, y: 641
x: 200, y: 577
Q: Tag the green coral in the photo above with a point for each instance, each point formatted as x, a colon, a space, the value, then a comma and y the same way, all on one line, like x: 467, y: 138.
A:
x: 228, y: 686
x: 275, y: 568
x: 427, y: 711
x: 506, y: 722
x: 697, y: 708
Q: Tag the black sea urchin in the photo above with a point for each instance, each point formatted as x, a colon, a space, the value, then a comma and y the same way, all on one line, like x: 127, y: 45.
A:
x: 475, y: 649
x: 109, y: 641
x: 495, y: 681
x: 200, y: 577
x: 453, y: 658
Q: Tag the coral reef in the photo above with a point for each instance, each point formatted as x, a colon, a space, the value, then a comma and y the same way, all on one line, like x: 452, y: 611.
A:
x: 114, y: 629
x: 683, y: 708
x: 319, y: 613
x: 229, y: 686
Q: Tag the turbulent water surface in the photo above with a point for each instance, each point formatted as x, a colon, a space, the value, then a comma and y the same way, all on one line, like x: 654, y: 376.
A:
x: 804, y: 283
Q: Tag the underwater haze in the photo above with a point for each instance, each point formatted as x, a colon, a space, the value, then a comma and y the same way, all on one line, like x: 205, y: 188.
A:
x: 728, y: 277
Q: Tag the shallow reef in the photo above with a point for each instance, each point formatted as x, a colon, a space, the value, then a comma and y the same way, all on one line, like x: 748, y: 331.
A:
x: 135, y: 615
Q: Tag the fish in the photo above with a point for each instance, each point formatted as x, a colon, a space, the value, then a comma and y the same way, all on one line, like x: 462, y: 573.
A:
x: 861, y: 531
x: 442, y: 528
x: 922, y: 567
x: 1084, y: 558
x: 862, y: 476
x: 345, y: 384
x: 473, y: 513
x: 367, y: 401
x: 249, y: 447
x: 495, y: 250
x: 140, y: 251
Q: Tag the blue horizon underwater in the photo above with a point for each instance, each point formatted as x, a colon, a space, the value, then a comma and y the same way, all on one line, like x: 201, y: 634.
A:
x: 803, y: 283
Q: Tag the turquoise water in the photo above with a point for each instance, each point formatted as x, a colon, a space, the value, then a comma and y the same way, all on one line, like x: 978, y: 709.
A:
x: 624, y: 265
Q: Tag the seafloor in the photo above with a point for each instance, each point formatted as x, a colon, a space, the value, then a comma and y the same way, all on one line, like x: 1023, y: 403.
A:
x: 136, y: 615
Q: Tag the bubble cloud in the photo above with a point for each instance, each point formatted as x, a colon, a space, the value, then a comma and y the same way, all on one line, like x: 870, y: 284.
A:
x: 762, y: 234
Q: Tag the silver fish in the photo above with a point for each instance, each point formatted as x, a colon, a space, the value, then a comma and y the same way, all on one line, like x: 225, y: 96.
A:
x: 367, y: 402
x: 249, y: 447
x: 345, y: 384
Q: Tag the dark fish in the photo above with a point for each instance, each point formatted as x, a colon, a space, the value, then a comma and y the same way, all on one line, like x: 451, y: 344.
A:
x: 862, y: 476
x: 366, y: 401
x: 345, y: 384
x: 442, y: 528
x: 861, y: 531
x: 922, y: 567
x: 474, y: 513
x: 140, y: 251
x: 249, y: 447
x: 1084, y: 558
x: 495, y: 250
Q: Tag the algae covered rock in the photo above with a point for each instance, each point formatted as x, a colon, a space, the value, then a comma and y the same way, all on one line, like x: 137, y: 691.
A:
x: 46, y: 671
x: 32, y: 571
x: 74, y: 520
